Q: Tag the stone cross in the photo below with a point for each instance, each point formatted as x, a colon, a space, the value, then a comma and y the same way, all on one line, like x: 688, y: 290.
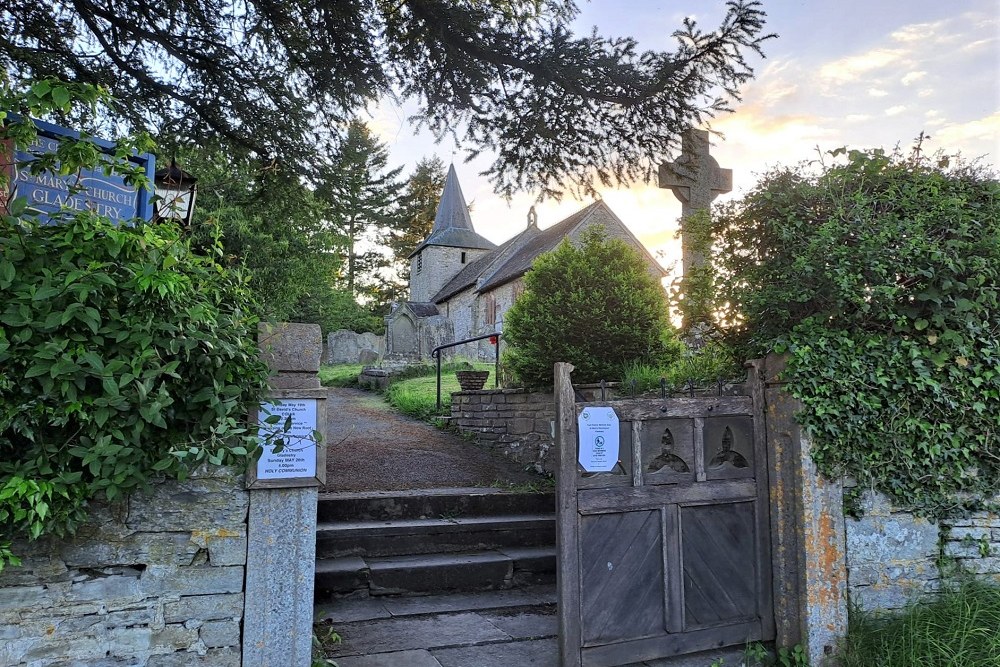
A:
x: 696, y: 179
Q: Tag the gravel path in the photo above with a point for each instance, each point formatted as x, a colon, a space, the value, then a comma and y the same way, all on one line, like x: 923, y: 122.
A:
x: 374, y: 448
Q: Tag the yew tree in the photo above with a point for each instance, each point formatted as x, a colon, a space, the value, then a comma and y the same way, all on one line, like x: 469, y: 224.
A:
x: 507, y: 76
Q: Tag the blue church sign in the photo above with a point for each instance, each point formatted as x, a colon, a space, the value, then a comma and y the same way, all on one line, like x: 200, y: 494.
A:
x: 88, y: 190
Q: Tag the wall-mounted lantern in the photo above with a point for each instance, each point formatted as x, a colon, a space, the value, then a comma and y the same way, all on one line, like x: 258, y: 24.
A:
x: 176, y: 190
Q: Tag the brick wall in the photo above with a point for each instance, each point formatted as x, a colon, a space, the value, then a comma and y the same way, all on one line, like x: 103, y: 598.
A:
x: 154, y: 580
x: 515, y: 422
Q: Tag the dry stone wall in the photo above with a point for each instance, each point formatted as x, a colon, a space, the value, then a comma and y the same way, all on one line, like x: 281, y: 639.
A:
x: 894, y: 557
x: 515, y: 422
x: 155, y: 580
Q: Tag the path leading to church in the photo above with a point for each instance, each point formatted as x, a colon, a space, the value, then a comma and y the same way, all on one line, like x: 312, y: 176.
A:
x: 371, y: 447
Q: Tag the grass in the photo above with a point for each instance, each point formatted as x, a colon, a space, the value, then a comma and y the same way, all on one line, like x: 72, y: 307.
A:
x: 960, y: 627
x: 417, y: 396
x: 341, y: 375
x: 413, y: 391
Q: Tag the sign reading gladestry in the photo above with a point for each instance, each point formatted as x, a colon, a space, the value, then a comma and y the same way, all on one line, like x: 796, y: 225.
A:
x: 49, y: 193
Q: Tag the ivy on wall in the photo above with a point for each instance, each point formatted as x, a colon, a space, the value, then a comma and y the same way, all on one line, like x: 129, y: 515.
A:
x: 878, y: 275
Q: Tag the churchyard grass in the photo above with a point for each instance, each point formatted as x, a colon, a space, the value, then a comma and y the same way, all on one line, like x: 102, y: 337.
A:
x: 341, y: 375
x: 957, y: 627
x: 417, y: 396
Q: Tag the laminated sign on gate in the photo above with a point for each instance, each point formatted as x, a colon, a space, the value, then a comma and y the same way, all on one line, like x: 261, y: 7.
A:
x: 598, y: 429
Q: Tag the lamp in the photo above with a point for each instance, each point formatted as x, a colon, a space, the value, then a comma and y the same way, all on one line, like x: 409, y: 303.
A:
x: 175, y: 192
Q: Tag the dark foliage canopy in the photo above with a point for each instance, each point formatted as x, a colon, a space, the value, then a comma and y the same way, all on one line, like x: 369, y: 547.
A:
x: 506, y: 76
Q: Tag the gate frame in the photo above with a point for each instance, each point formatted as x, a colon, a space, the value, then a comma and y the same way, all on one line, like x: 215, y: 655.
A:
x: 568, y: 573
x: 808, y: 543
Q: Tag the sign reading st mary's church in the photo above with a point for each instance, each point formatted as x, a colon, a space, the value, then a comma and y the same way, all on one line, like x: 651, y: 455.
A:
x: 88, y: 190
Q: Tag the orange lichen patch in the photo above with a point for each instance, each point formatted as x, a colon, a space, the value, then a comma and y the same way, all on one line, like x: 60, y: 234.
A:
x: 825, y: 554
x: 203, y: 537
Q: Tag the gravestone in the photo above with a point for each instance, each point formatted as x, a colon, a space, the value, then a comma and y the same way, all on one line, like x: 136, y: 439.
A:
x: 696, y: 180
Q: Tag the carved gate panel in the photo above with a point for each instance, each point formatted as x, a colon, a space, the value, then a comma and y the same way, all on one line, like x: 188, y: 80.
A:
x: 669, y: 553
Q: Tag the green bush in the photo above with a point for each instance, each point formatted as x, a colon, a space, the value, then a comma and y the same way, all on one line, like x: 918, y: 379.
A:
x: 879, y: 276
x: 595, y: 306
x: 125, y: 355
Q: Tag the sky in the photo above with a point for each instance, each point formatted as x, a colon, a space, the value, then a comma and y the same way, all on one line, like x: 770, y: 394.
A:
x: 861, y: 74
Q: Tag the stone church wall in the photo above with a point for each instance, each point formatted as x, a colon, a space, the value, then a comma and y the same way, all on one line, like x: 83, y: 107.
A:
x: 437, y: 265
x: 154, y: 580
x: 602, y: 218
x: 461, y: 311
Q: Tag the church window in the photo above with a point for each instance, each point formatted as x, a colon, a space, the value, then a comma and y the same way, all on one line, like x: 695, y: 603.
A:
x: 420, y: 262
x: 463, y: 258
x: 490, y: 301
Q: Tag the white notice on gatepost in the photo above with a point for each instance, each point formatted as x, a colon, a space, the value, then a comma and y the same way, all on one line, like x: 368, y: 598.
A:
x: 598, y: 439
x: 298, y: 456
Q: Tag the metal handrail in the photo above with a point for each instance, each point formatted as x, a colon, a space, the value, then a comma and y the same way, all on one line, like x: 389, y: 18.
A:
x: 436, y: 353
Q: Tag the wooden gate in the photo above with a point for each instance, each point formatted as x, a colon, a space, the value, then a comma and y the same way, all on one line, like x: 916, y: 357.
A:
x: 668, y: 553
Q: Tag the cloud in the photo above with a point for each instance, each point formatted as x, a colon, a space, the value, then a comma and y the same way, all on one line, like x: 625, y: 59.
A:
x: 973, y: 138
x: 917, y: 33
x: 896, y: 110
x: 857, y: 117
x: 912, y: 77
x: 852, y: 68
x: 877, y: 92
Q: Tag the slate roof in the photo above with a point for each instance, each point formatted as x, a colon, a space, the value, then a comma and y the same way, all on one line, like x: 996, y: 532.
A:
x: 422, y: 309
x: 513, y: 259
x: 544, y: 241
x: 452, y: 224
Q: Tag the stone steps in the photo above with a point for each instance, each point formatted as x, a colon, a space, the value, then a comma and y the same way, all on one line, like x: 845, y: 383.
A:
x: 430, y: 503
x: 420, y: 536
x: 419, y: 543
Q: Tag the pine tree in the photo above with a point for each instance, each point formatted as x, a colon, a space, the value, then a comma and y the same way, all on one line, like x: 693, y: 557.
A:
x: 418, y: 205
x: 360, y: 193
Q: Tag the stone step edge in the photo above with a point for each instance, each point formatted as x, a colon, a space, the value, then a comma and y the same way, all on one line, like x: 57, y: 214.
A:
x: 418, y: 493
x: 437, y: 525
x: 354, y: 564
x: 544, y: 599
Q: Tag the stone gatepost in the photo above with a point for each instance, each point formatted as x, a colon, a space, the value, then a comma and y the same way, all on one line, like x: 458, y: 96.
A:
x: 808, y: 540
x: 281, y: 553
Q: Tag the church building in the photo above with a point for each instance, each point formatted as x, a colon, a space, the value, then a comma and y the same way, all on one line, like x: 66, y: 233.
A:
x: 461, y: 284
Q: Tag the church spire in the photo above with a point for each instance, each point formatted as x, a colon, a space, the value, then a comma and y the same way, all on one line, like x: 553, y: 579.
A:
x: 452, y: 224
x: 452, y: 212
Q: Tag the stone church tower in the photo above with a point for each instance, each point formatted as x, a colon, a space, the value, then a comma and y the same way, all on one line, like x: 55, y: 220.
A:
x: 452, y: 244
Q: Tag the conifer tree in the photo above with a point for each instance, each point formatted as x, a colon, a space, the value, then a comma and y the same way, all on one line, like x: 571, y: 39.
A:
x: 360, y: 193
x: 415, y: 219
x: 506, y: 76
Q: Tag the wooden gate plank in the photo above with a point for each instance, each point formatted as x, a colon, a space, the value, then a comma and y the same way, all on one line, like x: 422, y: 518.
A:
x: 567, y: 521
x: 622, y: 583
x: 650, y: 497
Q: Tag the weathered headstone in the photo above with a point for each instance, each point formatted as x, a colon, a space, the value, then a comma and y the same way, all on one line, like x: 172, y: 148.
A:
x: 696, y: 180
x: 281, y: 536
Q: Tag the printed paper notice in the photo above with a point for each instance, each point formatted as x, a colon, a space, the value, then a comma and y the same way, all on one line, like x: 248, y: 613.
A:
x: 298, y: 456
x: 598, y: 439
